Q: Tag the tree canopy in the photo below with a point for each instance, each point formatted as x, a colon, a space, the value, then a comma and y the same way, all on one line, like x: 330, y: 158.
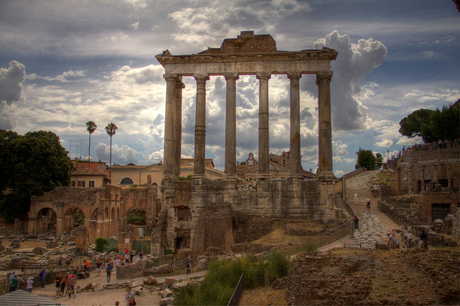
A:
x: 433, y: 125
x: 367, y: 159
x: 30, y: 165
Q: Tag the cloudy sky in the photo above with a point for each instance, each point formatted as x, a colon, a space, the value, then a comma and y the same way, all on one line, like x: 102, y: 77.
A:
x: 63, y: 63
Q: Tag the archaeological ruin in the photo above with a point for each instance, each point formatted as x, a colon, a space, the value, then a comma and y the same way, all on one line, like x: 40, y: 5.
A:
x: 198, y: 214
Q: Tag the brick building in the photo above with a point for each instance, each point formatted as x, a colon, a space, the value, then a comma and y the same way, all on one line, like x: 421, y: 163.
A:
x: 433, y: 172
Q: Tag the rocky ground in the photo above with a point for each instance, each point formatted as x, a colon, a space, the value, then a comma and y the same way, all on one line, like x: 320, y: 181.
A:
x: 363, y: 277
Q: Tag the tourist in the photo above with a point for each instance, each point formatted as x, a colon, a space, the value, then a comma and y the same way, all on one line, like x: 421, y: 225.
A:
x: 43, y: 277
x: 409, y: 239
x: 86, y: 265
x: 57, y: 282
x: 109, y: 269
x: 98, y: 267
x: 30, y: 284
x: 131, y: 255
x: 62, y: 285
x: 130, y: 298
x: 73, y: 285
x: 11, y: 277
x: 14, y: 282
x: 60, y: 260
x: 188, y: 263
x: 368, y: 205
x: 140, y: 254
x: 356, y: 220
x: 424, y: 239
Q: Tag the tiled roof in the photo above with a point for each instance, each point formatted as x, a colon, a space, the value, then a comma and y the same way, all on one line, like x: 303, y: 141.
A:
x: 86, y: 171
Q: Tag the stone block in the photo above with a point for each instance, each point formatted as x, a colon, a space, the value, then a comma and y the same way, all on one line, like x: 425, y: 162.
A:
x: 166, y: 293
x: 137, y: 282
x: 151, y: 280
x: 166, y: 301
x: 169, y: 281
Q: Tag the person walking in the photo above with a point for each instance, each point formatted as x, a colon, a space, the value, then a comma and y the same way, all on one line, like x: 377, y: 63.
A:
x: 424, y: 239
x: 130, y: 297
x: 30, y: 284
x: 43, y: 277
x: 14, y: 283
x: 73, y: 285
x: 187, y: 266
x: 109, y: 269
x: 356, y: 220
x: 57, y: 282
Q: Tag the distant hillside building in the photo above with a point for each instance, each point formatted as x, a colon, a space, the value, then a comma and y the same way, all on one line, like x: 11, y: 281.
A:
x: 433, y: 172
x: 152, y: 174
x: 278, y: 167
x: 89, y: 175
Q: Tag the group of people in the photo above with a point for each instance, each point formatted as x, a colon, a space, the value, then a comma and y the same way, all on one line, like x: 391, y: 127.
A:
x: 408, y: 238
x: 65, y: 284
x: 13, y: 281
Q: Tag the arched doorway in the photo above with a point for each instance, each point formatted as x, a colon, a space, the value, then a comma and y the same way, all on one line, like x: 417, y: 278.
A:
x: 73, y: 218
x: 46, y: 221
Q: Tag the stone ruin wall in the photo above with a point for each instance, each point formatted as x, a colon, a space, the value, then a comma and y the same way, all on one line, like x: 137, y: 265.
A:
x: 202, y: 213
x: 105, y: 211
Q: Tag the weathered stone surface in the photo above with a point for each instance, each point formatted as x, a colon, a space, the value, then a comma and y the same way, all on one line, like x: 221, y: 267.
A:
x: 166, y: 293
x: 169, y: 281
x: 166, y: 301
x: 151, y: 280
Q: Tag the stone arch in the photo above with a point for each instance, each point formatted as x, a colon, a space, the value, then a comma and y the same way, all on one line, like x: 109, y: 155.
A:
x: 106, y: 215
x: 73, y: 218
x: 126, y: 181
x: 46, y: 221
x: 136, y: 216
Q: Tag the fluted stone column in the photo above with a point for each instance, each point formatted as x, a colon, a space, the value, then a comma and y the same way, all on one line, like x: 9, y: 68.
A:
x: 178, y: 126
x: 295, y: 160
x: 200, y: 126
x: 323, y: 81
x: 230, y: 126
x: 263, y: 126
x: 169, y: 150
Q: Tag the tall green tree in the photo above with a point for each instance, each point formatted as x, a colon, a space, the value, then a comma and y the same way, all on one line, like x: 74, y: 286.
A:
x: 433, y: 125
x: 111, y: 128
x: 91, y: 126
x: 30, y: 165
x: 365, y: 159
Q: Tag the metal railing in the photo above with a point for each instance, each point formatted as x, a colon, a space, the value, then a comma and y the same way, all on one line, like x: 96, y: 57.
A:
x: 237, y: 293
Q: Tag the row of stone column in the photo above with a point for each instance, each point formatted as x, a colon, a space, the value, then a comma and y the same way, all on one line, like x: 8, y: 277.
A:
x: 173, y: 126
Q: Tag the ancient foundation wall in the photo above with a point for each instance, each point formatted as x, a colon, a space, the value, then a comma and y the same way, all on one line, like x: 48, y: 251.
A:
x: 199, y: 214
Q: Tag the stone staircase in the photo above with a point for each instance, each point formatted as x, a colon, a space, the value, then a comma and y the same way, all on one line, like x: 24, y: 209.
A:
x: 373, y: 225
x: 370, y: 230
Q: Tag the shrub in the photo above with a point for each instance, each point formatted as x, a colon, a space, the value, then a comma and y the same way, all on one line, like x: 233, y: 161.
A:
x: 278, y: 264
x: 309, y: 247
x: 101, y: 244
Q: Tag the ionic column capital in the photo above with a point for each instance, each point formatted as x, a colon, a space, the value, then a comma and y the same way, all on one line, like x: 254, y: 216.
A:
x: 263, y: 76
x: 201, y: 78
x: 321, y: 75
x: 296, y: 75
x: 171, y: 76
x: 231, y: 76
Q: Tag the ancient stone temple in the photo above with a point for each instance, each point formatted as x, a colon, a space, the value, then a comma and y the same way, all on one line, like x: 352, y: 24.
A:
x: 199, y: 214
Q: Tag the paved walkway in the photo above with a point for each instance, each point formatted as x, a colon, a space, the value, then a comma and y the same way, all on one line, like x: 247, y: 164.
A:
x: 373, y: 225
